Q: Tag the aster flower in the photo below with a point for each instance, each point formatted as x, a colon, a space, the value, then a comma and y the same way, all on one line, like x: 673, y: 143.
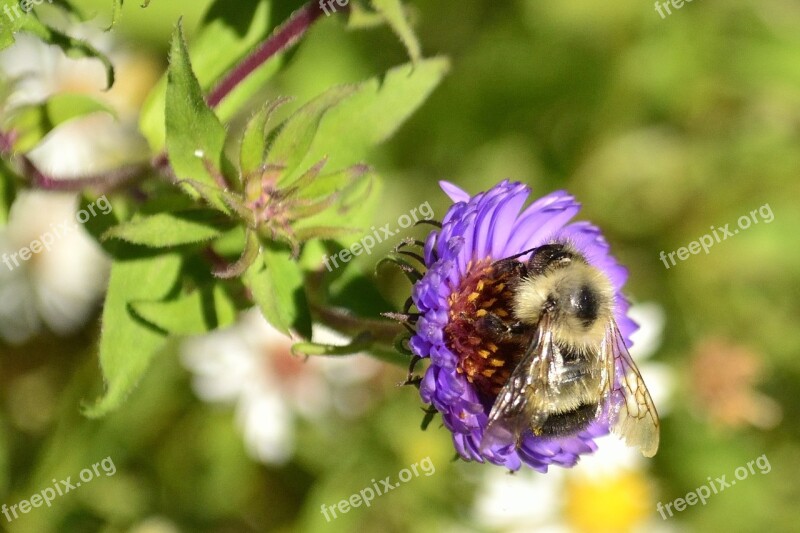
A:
x: 250, y: 364
x: 467, y: 372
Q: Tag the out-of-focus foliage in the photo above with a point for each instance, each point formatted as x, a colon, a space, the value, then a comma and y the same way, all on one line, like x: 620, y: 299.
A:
x: 661, y: 126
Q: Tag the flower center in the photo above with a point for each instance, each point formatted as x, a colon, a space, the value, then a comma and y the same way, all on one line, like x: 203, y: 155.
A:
x: 486, y: 363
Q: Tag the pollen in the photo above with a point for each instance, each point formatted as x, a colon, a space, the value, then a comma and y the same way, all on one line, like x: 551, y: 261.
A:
x: 485, y: 361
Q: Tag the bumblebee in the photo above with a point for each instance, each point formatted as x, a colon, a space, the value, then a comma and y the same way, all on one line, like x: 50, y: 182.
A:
x: 573, y: 367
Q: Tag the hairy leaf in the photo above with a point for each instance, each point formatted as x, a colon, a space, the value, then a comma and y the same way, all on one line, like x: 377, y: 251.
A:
x: 253, y: 147
x: 207, y: 308
x: 394, y: 14
x: 169, y: 229
x: 227, y: 32
x: 195, y: 136
x: 374, y: 113
x: 127, y: 345
x: 294, y: 137
x: 279, y: 291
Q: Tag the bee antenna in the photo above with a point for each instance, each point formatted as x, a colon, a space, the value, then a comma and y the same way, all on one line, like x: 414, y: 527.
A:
x: 518, y: 255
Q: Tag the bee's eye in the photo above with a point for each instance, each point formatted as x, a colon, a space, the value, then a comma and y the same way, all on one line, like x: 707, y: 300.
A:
x: 585, y: 305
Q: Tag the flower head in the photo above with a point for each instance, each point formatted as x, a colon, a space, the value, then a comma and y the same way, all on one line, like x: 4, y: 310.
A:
x: 250, y: 364
x: 467, y: 371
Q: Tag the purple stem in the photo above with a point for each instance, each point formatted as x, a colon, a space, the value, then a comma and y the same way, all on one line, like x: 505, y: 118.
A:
x: 284, y: 36
x: 102, y: 181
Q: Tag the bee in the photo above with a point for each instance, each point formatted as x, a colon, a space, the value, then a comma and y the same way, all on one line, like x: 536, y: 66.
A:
x: 574, y: 367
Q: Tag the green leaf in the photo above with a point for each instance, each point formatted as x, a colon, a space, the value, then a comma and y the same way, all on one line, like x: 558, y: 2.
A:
x: 72, y: 47
x: 248, y: 256
x: 169, y: 229
x: 363, y: 341
x: 357, y: 189
x: 227, y: 32
x: 9, y: 25
x: 394, y: 14
x: 127, y: 345
x: 279, y: 291
x: 8, y: 191
x: 374, y: 113
x: 116, y: 13
x: 222, y: 200
x: 207, y: 308
x: 253, y: 147
x: 361, y: 18
x: 33, y: 122
x: 294, y: 137
x: 195, y: 136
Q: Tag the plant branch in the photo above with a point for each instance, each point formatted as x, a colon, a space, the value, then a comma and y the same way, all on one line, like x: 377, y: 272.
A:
x: 101, y: 181
x: 285, y: 36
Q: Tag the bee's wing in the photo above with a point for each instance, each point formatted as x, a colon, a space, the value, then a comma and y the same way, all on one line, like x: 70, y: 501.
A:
x: 517, y: 408
x: 633, y: 414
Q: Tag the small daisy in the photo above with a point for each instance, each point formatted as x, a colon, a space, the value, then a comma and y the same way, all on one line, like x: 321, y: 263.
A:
x: 250, y: 364
x: 461, y: 381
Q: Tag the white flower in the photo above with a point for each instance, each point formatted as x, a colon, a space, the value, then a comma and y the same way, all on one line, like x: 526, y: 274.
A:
x: 59, y: 287
x: 645, y: 341
x: 522, y: 501
x: 250, y: 365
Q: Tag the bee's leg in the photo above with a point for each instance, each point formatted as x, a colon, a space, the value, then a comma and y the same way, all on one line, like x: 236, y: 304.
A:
x: 497, y: 329
x: 510, y: 268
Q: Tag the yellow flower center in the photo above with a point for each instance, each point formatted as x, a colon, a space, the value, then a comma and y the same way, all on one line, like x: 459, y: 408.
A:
x: 606, y: 504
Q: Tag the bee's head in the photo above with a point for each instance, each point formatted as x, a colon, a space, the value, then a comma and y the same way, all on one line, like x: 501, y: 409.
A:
x: 561, y: 282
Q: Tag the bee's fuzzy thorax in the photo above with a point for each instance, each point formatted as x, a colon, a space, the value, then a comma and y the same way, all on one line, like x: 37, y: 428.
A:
x: 559, y: 288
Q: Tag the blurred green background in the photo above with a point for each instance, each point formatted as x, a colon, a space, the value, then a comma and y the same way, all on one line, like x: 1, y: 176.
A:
x: 661, y: 127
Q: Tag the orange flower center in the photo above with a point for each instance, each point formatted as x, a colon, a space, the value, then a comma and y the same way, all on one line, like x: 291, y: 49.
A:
x: 486, y: 363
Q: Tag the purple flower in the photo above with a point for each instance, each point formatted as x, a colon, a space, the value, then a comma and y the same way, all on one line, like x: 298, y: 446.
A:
x: 466, y: 372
